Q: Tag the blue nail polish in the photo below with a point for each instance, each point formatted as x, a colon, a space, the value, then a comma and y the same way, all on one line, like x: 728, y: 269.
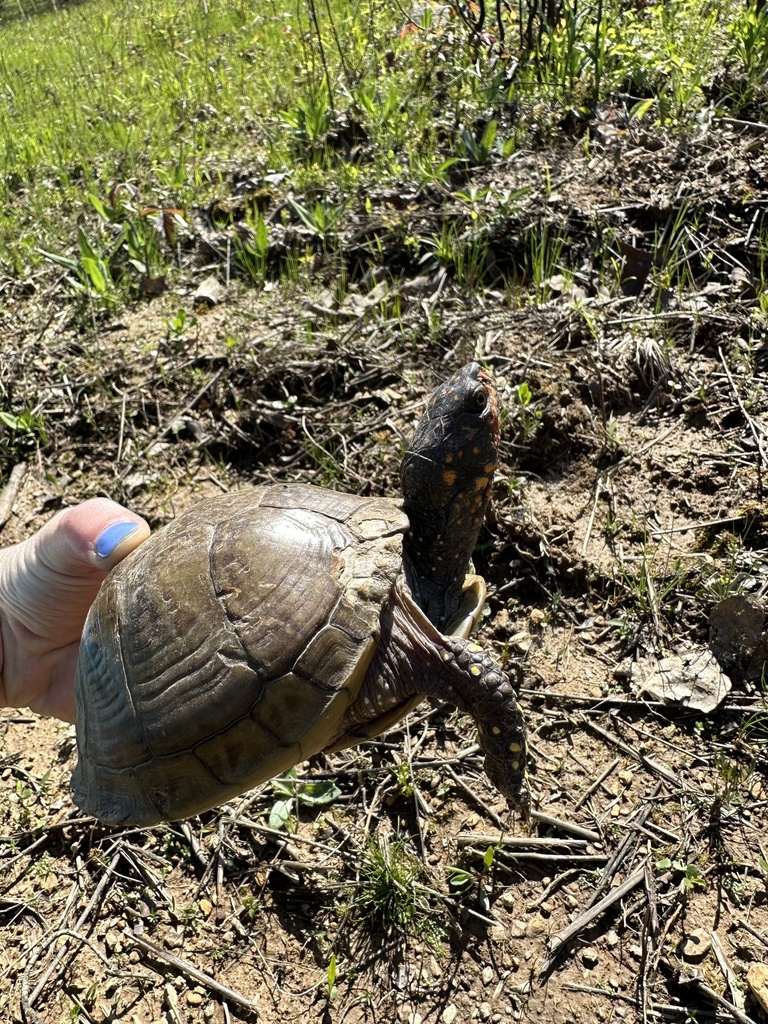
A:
x: 109, y: 538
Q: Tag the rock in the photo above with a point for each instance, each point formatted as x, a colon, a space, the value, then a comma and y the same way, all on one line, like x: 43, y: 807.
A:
x: 484, y: 1011
x: 205, y: 907
x: 210, y: 292
x: 696, y: 945
x: 589, y: 958
x: 450, y: 1013
x: 487, y: 975
x: 173, y: 940
x: 113, y: 942
x: 737, y: 634
x: 690, y: 677
x: 194, y: 998
x: 536, y: 926
x: 757, y: 979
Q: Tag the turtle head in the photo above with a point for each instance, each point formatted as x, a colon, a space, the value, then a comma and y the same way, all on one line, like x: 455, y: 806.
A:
x: 447, y: 474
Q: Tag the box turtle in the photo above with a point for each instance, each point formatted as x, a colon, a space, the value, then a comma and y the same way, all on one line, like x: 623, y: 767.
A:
x: 269, y: 624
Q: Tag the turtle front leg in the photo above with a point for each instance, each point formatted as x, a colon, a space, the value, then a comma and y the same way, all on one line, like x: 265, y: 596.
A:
x: 476, y: 684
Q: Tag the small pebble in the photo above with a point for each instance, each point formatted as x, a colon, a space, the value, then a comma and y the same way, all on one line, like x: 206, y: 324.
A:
x: 487, y: 975
x: 589, y: 958
x: 450, y: 1013
x: 536, y: 926
x: 485, y: 1011
x: 195, y: 999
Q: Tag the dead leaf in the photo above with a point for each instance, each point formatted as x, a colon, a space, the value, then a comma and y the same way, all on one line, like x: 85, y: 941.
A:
x: 690, y: 677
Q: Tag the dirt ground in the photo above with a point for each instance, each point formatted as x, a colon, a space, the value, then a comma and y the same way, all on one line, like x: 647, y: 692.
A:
x: 629, y: 525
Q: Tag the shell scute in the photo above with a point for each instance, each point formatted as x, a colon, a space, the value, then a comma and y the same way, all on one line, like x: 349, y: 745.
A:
x: 239, y: 752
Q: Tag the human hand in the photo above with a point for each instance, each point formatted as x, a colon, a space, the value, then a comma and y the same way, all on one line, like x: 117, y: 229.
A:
x: 47, y: 584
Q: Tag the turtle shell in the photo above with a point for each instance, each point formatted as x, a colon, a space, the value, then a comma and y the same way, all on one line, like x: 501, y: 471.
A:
x: 228, y: 647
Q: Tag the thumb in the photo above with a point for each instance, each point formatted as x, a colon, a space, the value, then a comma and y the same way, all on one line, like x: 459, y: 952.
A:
x: 93, y: 536
x: 48, y: 582
x: 47, y: 585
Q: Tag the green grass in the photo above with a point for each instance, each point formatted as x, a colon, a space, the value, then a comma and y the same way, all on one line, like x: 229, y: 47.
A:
x: 175, y: 96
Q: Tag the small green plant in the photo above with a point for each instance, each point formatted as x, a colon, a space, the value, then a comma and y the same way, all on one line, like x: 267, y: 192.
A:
x: 732, y: 776
x: 90, y: 272
x: 308, y: 123
x: 330, y: 980
x: 755, y: 728
x: 293, y: 793
x: 461, y: 880
x: 477, y: 152
x: 25, y: 425
x: 528, y: 418
x: 403, y: 779
x: 390, y: 896
x: 252, y: 251
x: 323, y: 219
x: 690, y: 876
x: 252, y: 907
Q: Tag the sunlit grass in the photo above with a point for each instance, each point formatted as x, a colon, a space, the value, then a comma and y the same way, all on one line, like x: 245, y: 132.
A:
x: 175, y: 96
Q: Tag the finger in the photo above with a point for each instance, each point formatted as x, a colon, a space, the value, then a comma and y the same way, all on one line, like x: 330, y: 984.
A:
x: 94, y: 535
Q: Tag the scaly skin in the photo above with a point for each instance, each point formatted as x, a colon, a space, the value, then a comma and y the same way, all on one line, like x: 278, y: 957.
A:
x: 414, y: 657
x: 447, y: 474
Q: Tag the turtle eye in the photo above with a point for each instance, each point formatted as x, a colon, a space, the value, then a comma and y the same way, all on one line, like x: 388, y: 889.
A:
x: 477, y: 399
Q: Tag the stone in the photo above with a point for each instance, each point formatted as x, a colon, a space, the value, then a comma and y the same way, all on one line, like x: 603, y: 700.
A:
x: 536, y: 926
x: 757, y: 980
x: 589, y: 958
x: 450, y: 1013
x: 210, y: 292
x: 696, y: 946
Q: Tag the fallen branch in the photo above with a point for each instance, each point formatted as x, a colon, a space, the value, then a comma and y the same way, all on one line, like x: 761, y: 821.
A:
x: 192, y: 972
x: 559, y: 942
x: 10, y: 492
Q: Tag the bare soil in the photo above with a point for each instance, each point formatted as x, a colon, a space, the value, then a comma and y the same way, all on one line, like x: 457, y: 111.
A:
x: 628, y: 504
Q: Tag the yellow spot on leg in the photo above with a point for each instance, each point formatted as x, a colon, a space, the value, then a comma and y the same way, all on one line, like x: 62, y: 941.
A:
x: 475, y: 671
